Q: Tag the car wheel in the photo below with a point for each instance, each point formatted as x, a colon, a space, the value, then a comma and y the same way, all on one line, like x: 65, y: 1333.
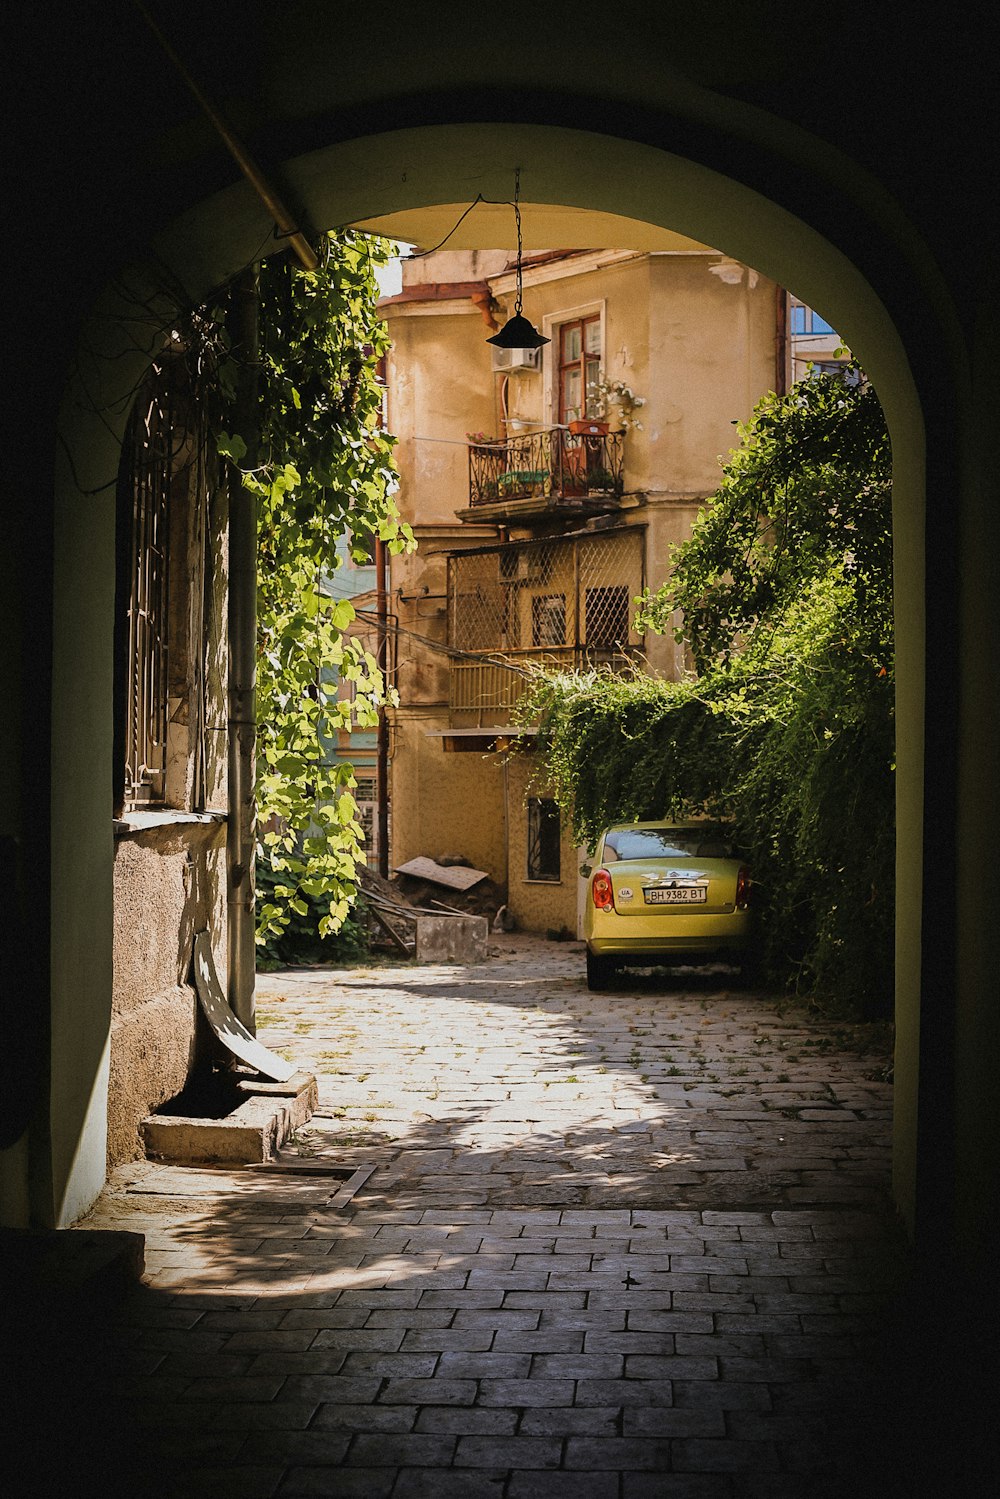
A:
x: 600, y: 971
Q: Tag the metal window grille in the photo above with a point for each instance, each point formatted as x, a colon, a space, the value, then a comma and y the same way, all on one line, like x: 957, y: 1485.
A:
x: 563, y: 601
x: 543, y: 839
x: 149, y: 453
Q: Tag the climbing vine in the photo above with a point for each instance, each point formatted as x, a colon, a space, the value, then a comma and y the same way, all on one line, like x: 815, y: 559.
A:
x: 323, y: 472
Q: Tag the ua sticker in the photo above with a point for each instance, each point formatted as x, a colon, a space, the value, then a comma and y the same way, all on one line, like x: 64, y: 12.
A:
x: 624, y: 893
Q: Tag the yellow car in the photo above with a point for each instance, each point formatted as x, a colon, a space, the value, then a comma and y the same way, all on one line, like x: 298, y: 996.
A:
x: 660, y: 891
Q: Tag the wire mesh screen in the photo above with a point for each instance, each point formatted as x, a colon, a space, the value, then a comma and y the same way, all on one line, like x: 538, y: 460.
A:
x: 566, y: 601
x: 564, y: 592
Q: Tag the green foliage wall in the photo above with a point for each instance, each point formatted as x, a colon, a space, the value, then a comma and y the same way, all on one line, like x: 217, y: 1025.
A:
x: 788, y: 726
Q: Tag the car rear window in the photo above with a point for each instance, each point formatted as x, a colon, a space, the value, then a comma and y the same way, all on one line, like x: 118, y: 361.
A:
x: 669, y: 843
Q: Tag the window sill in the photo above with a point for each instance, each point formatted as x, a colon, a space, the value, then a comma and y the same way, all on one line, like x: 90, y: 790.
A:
x: 165, y: 817
x: 529, y: 881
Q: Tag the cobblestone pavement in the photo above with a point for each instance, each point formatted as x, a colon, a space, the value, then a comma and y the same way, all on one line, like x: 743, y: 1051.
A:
x: 614, y: 1246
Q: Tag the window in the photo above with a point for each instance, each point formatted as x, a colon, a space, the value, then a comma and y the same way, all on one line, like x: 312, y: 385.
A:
x: 548, y: 619
x: 144, y: 489
x: 365, y: 796
x: 803, y: 321
x: 606, y: 616
x: 168, y: 647
x: 579, y: 368
x: 543, y: 839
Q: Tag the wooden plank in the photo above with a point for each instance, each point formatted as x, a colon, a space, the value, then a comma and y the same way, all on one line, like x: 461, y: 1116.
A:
x: 454, y: 876
x: 390, y: 931
x: 230, y: 1030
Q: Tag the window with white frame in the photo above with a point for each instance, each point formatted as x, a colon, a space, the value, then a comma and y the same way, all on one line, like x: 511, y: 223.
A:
x: 579, y: 348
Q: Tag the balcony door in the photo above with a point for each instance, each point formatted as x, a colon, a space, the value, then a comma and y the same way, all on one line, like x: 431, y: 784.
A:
x: 579, y: 368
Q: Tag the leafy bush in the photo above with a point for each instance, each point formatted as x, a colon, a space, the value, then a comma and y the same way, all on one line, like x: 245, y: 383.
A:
x: 299, y: 940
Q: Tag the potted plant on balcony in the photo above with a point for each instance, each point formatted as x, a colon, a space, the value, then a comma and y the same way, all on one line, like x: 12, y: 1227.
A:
x: 588, y: 426
x: 615, y: 396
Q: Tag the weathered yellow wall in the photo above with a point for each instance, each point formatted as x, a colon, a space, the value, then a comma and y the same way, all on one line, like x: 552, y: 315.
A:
x: 440, y: 388
x: 537, y: 905
x: 443, y: 802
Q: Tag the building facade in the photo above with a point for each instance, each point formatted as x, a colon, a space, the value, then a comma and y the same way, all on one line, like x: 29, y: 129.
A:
x: 546, y: 489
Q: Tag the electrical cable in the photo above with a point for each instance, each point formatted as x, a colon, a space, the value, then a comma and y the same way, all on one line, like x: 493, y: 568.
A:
x: 490, y: 202
x: 492, y: 658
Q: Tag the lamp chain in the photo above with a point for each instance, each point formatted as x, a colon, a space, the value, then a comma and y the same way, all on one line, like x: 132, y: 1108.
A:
x: 517, y: 221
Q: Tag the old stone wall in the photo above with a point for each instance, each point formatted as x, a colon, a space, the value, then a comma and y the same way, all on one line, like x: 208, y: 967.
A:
x: 169, y: 883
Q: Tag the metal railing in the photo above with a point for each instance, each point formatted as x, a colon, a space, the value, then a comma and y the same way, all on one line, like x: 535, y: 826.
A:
x: 484, y: 693
x: 550, y: 464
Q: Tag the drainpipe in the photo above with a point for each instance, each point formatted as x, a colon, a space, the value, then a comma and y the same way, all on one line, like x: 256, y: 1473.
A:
x: 284, y: 220
x: 382, y: 736
x: 781, y: 342
x: 242, y: 725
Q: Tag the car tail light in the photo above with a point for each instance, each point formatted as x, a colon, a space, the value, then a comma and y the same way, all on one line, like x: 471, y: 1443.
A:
x: 743, y: 887
x: 604, y: 896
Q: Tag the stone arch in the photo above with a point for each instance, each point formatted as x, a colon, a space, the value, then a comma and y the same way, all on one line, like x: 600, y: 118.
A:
x: 338, y: 184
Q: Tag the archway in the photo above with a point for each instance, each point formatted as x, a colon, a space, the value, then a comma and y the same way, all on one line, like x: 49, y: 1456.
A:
x: 357, y: 181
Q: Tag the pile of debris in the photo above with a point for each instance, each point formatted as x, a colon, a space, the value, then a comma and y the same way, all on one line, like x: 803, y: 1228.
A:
x: 426, y: 887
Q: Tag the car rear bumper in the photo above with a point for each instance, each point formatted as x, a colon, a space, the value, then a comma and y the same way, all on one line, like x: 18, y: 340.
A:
x: 609, y: 934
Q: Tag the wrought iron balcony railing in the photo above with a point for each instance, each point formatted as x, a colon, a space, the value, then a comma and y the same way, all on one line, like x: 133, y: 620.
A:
x: 550, y: 464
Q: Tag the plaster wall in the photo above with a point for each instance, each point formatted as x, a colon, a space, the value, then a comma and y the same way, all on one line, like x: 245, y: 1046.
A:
x: 445, y: 802
x: 668, y: 522
x: 711, y: 358
x: 440, y: 388
x: 418, y: 584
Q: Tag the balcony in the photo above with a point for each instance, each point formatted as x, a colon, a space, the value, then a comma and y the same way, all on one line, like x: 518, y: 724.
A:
x: 482, y: 694
x: 553, y: 468
x: 565, y: 603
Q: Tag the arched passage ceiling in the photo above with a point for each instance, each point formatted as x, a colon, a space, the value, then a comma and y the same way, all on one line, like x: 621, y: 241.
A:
x: 580, y: 188
x: 544, y: 226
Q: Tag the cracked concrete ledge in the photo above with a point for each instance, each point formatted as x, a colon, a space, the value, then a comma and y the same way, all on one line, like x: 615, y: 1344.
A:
x: 251, y: 1133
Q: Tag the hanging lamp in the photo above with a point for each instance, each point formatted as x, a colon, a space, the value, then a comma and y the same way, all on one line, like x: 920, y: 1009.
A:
x: 517, y: 332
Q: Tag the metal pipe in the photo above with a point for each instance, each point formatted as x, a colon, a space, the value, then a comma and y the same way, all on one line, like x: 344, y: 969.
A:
x: 268, y: 195
x: 781, y: 342
x: 382, y: 736
x: 242, y: 726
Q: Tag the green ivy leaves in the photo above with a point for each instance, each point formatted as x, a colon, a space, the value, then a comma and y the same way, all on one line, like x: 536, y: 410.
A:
x: 786, y: 592
x: 324, y: 470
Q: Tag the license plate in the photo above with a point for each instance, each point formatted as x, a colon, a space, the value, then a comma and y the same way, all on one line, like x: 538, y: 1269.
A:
x: 676, y: 895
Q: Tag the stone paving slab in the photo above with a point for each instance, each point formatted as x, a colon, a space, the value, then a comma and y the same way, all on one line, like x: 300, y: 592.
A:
x: 526, y: 1297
